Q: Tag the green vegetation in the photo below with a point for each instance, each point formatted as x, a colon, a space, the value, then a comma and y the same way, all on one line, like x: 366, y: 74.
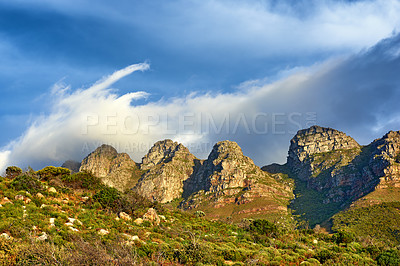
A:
x: 13, y: 171
x: 378, y: 222
x: 50, y: 172
x: 28, y: 183
x: 82, y: 207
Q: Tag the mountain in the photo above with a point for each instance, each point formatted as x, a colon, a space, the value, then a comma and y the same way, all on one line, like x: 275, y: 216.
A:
x: 114, y: 169
x: 166, y: 167
x: 229, y: 184
x: 172, y: 208
x: 332, y: 171
x: 327, y: 170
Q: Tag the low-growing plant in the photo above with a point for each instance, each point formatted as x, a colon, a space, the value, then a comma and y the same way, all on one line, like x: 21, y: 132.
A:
x: 83, y: 180
x: 388, y: 258
x: 27, y: 182
x: 263, y: 227
x: 109, y: 197
x: 13, y: 171
x: 51, y: 171
x: 343, y: 237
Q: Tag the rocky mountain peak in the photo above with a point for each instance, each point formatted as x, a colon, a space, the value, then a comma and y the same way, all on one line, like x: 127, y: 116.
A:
x: 167, y: 164
x: 226, y: 149
x: 318, y: 139
x: 106, y: 150
x: 114, y: 169
x: 389, y: 145
x: 228, y: 179
x: 385, y: 159
x: 163, y: 151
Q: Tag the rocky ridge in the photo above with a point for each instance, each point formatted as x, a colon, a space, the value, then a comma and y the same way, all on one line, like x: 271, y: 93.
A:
x: 385, y: 159
x: 114, y: 169
x: 167, y: 165
x: 169, y: 171
x: 229, y: 178
x: 335, y: 164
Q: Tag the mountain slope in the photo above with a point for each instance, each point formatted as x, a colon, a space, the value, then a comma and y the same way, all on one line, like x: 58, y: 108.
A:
x: 229, y: 184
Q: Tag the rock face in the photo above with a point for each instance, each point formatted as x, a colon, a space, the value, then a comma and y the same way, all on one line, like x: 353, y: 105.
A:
x: 229, y: 178
x: 385, y: 160
x: 113, y: 168
x: 168, y: 164
x: 335, y: 164
x: 313, y: 141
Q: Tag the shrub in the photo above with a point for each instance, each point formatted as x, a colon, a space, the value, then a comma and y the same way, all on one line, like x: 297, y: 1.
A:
x: 50, y: 171
x: 28, y: 183
x: 109, y: 197
x: 325, y: 255
x: 343, y: 237
x: 8, y: 252
x: 82, y: 180
x: 388, y: 258
x: 192, y: 253
x: 263, y: 227
x: 13, y: 171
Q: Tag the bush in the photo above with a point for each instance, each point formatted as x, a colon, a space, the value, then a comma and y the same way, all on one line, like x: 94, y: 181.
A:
x: 343, y: 237
x: 325, y: 255
x: 82, y: 180
x: 109, y: 197
x: 13, y: 171
x: 388, y: 258
x: 50, y: 171
x: 263, y: 227
x: 8, y: 252
x: 193, y: 253
x: 28, y: 183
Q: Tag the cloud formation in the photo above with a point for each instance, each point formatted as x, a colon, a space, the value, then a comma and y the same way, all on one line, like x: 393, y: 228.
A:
x: 357, y: 94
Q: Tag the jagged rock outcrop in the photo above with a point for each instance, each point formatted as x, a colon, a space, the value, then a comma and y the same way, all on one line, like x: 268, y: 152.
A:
x: 385, y: 159
x: 113, y: 168
x: 228, y: 178
x: 335, y: 164
x: 313, y: 141
x: 168, y: 164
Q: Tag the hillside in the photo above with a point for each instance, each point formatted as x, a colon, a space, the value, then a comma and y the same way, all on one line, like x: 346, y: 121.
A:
x: 65, y: 219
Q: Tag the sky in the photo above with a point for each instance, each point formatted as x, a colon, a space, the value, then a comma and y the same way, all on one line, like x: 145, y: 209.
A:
x: 74, y: 75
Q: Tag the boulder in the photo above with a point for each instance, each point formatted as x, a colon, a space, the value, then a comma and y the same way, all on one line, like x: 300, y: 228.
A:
x: 125, y: 216
x: 151, y: 216
x: 103, y: 232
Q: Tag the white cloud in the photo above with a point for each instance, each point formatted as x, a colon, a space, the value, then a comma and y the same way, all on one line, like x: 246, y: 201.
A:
x: 357, y: 95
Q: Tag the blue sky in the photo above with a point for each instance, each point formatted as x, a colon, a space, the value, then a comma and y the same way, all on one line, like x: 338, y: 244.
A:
x: 280, y: 64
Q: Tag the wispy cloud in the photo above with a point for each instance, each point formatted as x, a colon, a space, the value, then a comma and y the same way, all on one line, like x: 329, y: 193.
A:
x: 358, y: 95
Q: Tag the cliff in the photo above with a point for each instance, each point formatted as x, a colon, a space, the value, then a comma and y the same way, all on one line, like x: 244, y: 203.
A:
x: 113, y: 168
